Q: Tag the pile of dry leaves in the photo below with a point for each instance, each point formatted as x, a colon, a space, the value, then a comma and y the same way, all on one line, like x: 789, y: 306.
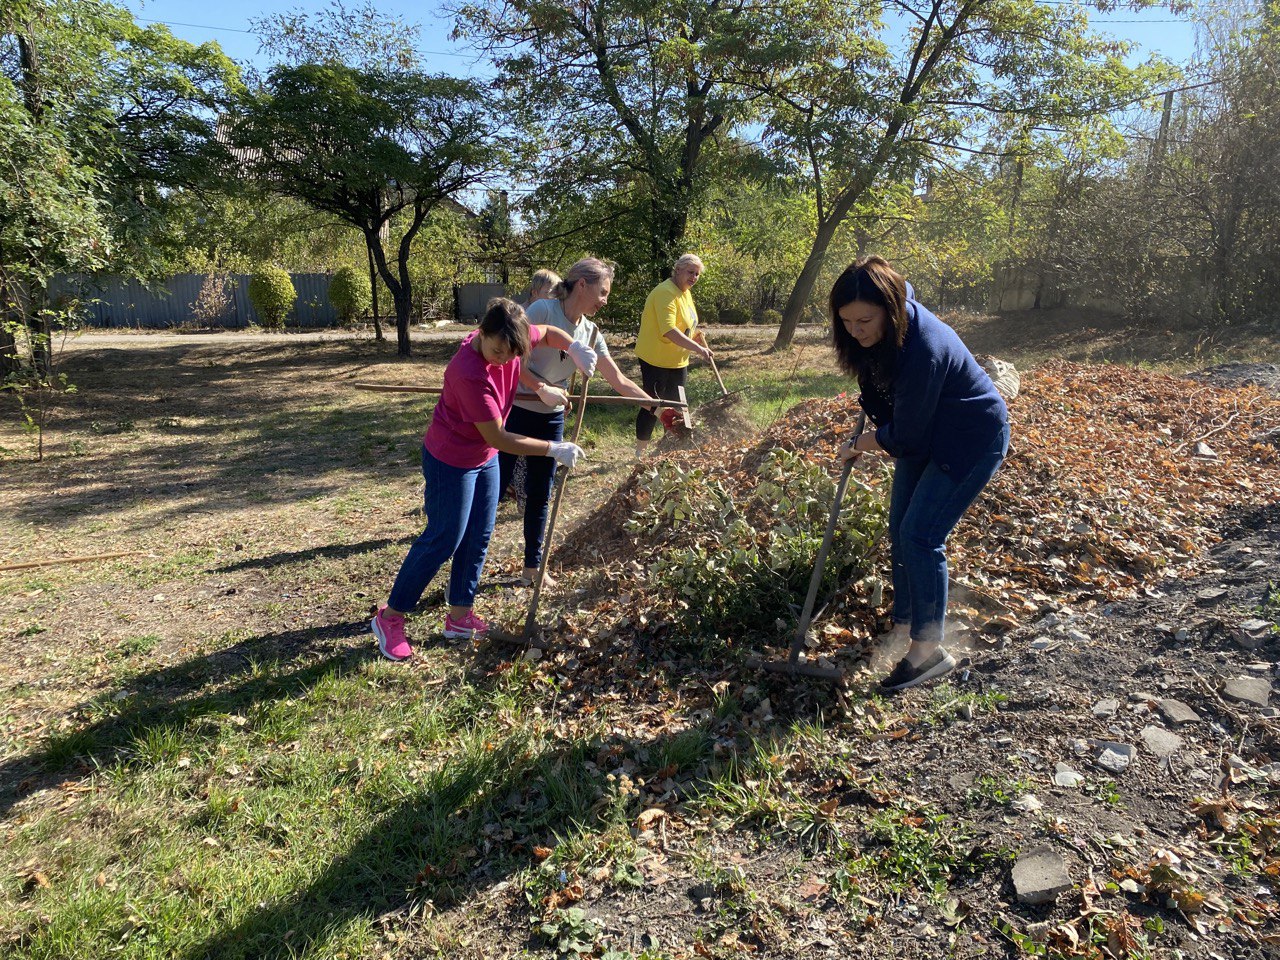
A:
x: 1115, y: 476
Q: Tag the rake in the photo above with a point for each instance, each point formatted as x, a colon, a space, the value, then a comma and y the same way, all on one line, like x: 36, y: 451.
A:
x: 793, y: 665
x: 727, y: 398
x: 603, y: 399
x: 531, y: 636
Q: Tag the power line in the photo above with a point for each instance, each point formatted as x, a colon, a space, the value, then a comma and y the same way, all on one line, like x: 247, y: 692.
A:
x: 198, y: 26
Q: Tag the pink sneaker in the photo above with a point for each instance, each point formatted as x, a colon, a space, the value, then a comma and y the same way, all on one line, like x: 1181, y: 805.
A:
x: 468, y: 628
x: 390, y: 633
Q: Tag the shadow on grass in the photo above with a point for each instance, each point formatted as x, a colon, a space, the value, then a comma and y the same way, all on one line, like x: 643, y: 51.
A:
x: 434, y: 848
x: 220, y: 682
x: 339, y: 551
x: 212, y: 428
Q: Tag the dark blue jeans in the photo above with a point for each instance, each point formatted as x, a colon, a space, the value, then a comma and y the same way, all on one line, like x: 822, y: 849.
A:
x: 540, y: 473
x: 460, y: 504
x: 926, y: 504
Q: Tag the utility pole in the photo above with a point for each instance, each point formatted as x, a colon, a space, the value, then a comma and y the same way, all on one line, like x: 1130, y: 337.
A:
x: 1157, y: 148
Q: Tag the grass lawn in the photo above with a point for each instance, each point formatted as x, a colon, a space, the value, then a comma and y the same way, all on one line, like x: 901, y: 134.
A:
x: 201, y: 755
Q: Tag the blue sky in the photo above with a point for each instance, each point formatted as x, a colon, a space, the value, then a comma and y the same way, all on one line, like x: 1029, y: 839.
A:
x: 1156, y: 30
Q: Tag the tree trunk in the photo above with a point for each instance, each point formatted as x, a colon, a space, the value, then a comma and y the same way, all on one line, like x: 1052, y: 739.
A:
x: 9, y: 364
x: 827, y: 225
x: 10, y: 317
x: 373, y: 289
x: 404, y: 305
x: 29, y: 64
x: 803, y: 288
x: 42, y: 345
x: 398, y: 284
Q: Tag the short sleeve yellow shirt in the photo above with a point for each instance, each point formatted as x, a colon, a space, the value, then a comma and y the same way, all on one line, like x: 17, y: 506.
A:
x: 667, y: 308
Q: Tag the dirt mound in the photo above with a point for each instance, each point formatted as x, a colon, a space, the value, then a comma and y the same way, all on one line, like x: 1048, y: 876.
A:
x: 1110, y: 483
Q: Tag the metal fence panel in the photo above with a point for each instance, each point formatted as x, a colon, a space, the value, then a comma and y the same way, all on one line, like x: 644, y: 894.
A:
x: 472, y: 299
x: 117, y: 302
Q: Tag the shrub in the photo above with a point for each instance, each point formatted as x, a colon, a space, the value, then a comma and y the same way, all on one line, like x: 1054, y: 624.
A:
x: 736, y: 567
x: 734, y: 315
x: 272, y: 295
x: 772, y: 318
x: 350, y: 294
x: 214, y: 303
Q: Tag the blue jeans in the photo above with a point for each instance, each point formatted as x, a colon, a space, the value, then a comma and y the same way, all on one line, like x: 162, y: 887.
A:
x: 540, y: 472
x: 460, y: 504
x: 926, y: 504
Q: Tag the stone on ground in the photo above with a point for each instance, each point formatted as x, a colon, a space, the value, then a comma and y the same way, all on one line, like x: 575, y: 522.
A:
x: 1177, y: 712
x: 1040, y: 875
x: 1161, y: 742
x: 1251, y: 690
x: 1113, y: 757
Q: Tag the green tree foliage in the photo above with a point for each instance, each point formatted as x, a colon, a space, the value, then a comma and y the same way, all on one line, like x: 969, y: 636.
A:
x: 882, y: 104
x: 133, y: 107
x: 361, y: 36
x: 100, y: 120
x: 365, y: 145
x: 234, y: 231
x: 1177, y: 222
x: 272, y: 294
x: 350, y: 293
x: 622, y: 104
x: 1212, y: 179
x: 357, y: 35
x: 751, y: 231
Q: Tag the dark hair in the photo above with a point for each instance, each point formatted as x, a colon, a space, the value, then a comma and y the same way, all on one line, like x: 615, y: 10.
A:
x: 505, y: 318
x: 872, y: 281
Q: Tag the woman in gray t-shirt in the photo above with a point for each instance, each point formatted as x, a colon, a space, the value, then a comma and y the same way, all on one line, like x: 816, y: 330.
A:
x: 578, y: 297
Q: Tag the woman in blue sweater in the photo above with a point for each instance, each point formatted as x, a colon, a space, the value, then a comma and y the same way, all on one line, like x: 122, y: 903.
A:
x: 939, y: 416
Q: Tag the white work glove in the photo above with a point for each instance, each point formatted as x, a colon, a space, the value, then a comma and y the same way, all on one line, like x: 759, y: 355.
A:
x: 564, y: 453
x: 552, y: 396
x: 583, y: 357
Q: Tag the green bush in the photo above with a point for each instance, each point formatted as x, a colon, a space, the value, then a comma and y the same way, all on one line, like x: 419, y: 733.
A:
x: 272, y: 295
x: 738, y: 565
x: 772, y: 318
x: 734, y: 315
x: 350, y: 294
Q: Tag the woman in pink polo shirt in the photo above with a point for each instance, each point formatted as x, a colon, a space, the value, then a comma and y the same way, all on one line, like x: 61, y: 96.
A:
x: 460, y: 466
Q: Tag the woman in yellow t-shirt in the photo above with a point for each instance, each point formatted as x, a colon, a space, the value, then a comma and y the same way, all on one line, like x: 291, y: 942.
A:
x: 668, y: 335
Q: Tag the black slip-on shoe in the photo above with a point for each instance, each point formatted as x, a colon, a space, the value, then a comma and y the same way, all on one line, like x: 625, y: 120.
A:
x: 904, y: 675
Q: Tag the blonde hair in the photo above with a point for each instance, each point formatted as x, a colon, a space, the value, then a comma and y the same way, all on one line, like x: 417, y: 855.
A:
x: 589, y: 269
x: 687, y: 260
x: 542, y: 279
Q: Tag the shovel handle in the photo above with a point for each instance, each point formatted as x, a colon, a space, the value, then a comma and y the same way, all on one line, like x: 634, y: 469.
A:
x: 815, y: 581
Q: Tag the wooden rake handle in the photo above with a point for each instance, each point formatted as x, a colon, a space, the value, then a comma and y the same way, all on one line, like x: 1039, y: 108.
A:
x: 603, y: 398
x: 530, y: 621
x: 716, y: 370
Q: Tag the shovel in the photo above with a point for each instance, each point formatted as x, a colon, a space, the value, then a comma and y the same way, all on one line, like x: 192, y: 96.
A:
x: 792, y: 664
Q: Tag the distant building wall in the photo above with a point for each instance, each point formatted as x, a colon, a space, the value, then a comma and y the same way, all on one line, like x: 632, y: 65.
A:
x: 125, y: 302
